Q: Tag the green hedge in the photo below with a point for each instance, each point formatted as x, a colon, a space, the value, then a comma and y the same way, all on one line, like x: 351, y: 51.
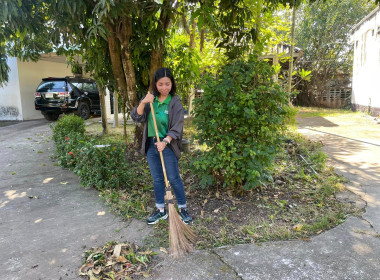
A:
x: 100, y: 166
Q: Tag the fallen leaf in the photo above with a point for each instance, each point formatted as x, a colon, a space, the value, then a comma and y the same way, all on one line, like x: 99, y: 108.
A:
x: 216, y: 210
x: 121, y: 259
x: 44, y: 164
x: 110, y: 263
x: 84, y: 268
x: 204, y: 202
x: 202, y: 213
x: 146, y: 274
x: 217, y: 194
x: 63, y: 183
x: 91, y: 274
x: 13, y: 173
x: 162, y: 249
x: 117, y: 250
x: 97, y: 270
x: 297, y: 227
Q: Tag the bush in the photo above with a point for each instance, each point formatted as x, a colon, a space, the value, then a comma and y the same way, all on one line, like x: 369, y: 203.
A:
x: 66, y: 125
x: 102, y: 167
x: 240, y: 118
x: 69, y: 148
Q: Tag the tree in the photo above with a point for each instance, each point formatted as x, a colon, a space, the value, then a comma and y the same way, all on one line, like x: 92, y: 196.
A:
x: 129, y: 35
x: 323, y: 33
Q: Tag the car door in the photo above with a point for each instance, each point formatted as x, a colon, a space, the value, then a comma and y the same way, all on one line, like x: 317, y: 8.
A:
x: 90, y: 89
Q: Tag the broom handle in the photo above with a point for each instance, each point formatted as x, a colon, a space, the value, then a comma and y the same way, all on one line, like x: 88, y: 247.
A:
x: 158, y: 140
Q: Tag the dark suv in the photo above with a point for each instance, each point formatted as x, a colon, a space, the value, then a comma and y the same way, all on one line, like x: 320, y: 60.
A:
x: 55, y: 96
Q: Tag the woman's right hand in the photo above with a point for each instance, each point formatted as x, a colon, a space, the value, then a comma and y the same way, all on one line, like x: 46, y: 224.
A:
x: 149, y: 98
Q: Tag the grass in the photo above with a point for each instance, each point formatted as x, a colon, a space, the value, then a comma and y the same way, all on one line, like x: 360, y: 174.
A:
x: 340, y: 122
x: 304, y: 112
x: 115, y: 134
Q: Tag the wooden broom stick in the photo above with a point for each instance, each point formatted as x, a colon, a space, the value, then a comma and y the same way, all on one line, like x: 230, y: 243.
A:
x: 181, y: 236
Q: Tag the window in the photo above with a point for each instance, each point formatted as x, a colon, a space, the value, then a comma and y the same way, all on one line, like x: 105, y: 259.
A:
x: 88, y: 87
x: 54, y: 86
x: 77, y: 85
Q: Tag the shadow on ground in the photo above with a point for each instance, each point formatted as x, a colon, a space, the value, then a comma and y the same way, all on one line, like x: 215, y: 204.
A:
x: 314, y: 122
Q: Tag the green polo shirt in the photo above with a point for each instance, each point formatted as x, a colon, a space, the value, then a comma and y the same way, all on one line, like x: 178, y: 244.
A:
x: 161, y: 111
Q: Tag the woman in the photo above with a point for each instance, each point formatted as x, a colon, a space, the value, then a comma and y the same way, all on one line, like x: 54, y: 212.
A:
x: 169, y: 117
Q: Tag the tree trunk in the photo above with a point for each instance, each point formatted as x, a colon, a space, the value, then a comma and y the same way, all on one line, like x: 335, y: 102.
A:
x: 155, y: 63
x: 115, y: 109
x: 117, y: 67
x: 202, y: 41
x: 103, y: 109
x: 192, y: 34
x: 125, y: 124
x: 162, y: 26
x: 289, y: 87
x: 124, y: 33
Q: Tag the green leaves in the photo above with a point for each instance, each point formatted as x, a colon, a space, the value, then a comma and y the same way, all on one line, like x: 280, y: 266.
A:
x: 102, y: 166
x: 240, y: 118
x: 322, y: 32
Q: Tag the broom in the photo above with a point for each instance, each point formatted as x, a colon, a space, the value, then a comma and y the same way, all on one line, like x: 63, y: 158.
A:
x: 181, y: 236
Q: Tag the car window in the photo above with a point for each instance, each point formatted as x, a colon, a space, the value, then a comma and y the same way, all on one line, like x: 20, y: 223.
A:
x: 88, y: 87
x: 54, y: 86
x: 77, y: 85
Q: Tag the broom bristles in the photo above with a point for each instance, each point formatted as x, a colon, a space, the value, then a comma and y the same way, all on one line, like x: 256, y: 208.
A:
x: 181, y: 236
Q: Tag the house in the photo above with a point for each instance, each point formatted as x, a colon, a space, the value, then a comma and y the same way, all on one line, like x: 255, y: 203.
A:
x: 17, y: 96
x: 365, y: 37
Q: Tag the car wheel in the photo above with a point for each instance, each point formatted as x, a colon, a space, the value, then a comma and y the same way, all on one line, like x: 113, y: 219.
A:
x: 51, y: 116
x: 84, y: 111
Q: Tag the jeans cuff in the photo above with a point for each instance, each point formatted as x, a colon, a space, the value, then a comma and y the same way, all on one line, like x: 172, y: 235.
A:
x: 160, y: 205
x: 181, y: 205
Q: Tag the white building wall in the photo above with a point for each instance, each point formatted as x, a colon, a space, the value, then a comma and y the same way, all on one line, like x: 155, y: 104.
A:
x: 10, y: 99
x: 366, y: 68
x: 30, y: 75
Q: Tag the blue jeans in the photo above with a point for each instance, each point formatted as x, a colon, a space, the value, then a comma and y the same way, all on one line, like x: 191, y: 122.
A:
x: 172, y: 173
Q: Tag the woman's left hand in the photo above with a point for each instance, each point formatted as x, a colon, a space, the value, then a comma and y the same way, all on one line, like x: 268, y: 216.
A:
x: 161, y: 146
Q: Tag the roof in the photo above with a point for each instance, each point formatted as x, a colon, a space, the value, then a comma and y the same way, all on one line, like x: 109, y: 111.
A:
x: 368, y: 17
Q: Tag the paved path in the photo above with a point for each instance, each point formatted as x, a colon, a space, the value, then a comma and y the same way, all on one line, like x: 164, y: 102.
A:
x: 44, y: 237
x: 47, y: 220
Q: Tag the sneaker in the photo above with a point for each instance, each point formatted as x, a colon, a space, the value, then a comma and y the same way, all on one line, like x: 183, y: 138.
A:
x: 185, y: 216
x: 156, y: 216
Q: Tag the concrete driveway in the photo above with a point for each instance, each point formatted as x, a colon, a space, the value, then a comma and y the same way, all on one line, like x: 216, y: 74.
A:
x: 47, y: 220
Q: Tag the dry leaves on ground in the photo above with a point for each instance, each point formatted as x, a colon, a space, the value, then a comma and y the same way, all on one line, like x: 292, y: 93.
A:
x: 116, y: 261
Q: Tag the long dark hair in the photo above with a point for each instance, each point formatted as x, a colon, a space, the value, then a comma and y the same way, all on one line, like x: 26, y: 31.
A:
x: 161, y: 73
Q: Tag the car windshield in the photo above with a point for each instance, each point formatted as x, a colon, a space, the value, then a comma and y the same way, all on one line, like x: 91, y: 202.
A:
x: 54, y: 86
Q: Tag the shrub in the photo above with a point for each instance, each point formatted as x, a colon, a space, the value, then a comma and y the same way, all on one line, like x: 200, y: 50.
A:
x: 240, y: 118
x: 104, y: 166
x: 101, y: 167
x: 69, y: 148
x: 67, y: 124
